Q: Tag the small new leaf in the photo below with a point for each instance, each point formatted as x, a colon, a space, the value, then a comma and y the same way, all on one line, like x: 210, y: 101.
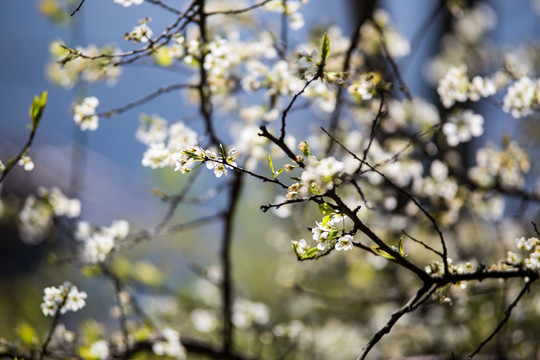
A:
x: 381, y: 252
x: 325, y: 48
x: 271, y: 166
x: 400, y: 246
x: 325, y: 209
x: 37, y: 108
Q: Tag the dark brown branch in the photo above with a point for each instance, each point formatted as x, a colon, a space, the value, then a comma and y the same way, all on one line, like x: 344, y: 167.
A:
x: 355, y: 37
x: 444, y: 254
x: 281, y: 144
x: 226, y: 261
x: 205, y: 92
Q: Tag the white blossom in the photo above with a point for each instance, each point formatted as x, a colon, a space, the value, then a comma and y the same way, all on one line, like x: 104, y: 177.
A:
x: 64, y: 298
x: 462, y: 126
x: 85, y: 114
x: 520, y: 97
x: 26, y: 163
x: 454, y: 86
x: 141, y: 33
x: 171, y: 345
x: 344, y: 243
x: 127, y: 3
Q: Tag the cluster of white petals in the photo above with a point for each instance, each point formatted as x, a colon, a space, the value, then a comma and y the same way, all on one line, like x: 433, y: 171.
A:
x: 170, y: 345
x: 506, y: 167
x: 192, y: 155
x: 84, y: 114
x: 62, y: 299
x: 98, y: 243
x: 37, y: 213
x: 140, y: 33
x: 462, y: 126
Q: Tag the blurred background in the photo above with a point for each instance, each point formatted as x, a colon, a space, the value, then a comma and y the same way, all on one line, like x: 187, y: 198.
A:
x: 103, y: 168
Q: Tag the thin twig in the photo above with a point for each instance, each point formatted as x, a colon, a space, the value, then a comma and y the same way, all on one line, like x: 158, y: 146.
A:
x: 411, y: 305
x: 237, y: 11
x: 291, y: 103
x: 78, y: 8
x: 11, y: 164
x: 145, y: 99
x: 503, y: 321
x: 165, y: 6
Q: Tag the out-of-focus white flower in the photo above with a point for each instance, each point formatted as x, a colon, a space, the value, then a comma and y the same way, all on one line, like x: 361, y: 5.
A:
x: 454, y: 86
x: 127, y: 3
x: 153, y: 129
x: 84, y: 114
x: 26, y: 163
x: 204, y: 320
x: 520, y: 97
x: 462, y: 127
x: 481, y: 87
x: 100, y: 243
x: 171, y: 345
x: 246, y: 313
x: 99, y: 349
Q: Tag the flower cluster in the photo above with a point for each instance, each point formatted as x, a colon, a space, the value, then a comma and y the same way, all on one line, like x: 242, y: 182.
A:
x: 246, y: 313
x: 326, y: 234
x: 522, y: 97
x: 462, y: 44
x: 164, y: 141
x: 37, y: 213
x: 319, y: 176
x: 170, y: 345
x: 290, y: 8
x: 194, y: 154
x: 141, y: 33
x: 455, y: 86
x: 380, y: 33
x: 97, y: 244
x: 462, y: 126
x: 84, y: 114
x: 530, y: 250
x: 68, y: 67
x: 505, y: 167
x: 64, y: 298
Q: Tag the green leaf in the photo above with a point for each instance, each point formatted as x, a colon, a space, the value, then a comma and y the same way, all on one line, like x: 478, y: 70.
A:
x: 400, y: 246
x: 37, y: 108
x: 310, y: 253
x: 271, y: 165
x: 325, y: 48
x: 381, y: 252
x: 325, y: 209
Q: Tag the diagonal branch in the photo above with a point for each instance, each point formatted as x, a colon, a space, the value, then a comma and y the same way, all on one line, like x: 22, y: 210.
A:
x: 503, y: 321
